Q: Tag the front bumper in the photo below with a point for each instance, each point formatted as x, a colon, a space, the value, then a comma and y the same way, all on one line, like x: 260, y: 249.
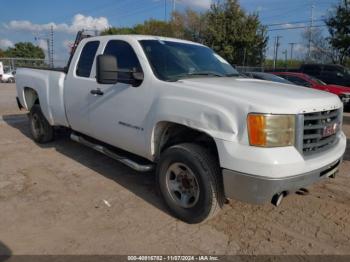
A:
x: 258, y: 189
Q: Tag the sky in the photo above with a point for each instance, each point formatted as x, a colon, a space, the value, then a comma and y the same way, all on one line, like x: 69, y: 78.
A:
x: 29, y: 20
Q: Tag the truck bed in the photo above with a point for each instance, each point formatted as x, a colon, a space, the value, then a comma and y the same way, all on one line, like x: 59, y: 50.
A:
x: 48, y: 84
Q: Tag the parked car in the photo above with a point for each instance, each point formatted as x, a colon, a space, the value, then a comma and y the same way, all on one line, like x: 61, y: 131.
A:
x: 308, y: 81
x: 267, y: 77
x: 330, y: 74
x: 1, y: 70
x: 8, y: 77
x: 178, y: 108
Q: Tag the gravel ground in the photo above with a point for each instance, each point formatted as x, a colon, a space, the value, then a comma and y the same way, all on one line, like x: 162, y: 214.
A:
x: 63, y: 198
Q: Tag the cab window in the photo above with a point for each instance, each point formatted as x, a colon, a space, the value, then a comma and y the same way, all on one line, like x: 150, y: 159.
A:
x: 126, y: 59
x: 86, y: 59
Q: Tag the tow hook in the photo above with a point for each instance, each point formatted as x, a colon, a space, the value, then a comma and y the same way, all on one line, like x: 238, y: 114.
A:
x: 277, y: 199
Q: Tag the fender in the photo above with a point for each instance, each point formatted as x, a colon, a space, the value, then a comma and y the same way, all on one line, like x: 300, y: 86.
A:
x: 212, y: 119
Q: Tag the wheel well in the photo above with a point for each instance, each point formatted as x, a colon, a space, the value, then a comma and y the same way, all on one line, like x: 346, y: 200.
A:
x: 31, y: 97
x: 167, y: 134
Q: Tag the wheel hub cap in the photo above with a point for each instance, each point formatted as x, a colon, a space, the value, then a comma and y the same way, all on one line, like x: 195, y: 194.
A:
x: 182, y: 185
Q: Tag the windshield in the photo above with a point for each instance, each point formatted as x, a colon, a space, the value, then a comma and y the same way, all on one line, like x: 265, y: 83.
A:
x: 318, y: 81
x: 172, y: 61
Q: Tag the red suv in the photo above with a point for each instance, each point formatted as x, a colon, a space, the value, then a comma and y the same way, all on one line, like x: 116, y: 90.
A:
x: 309, y: 81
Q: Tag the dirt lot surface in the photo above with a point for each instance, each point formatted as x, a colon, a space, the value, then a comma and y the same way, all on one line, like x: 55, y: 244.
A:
x: 63, y: 198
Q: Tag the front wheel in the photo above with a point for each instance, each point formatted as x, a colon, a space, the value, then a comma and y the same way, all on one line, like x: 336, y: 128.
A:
x: 190, y: 182
x: 40, y: 128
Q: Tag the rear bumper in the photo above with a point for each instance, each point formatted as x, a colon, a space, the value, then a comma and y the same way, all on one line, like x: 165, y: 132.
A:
x: 257, y: 189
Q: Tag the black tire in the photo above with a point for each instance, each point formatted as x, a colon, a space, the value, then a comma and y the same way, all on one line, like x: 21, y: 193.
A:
x: 207, y: 172
x: 11, y: 80
x: 40, y: 128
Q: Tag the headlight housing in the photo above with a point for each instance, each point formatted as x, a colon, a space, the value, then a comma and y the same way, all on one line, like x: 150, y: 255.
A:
x: 266, y: 130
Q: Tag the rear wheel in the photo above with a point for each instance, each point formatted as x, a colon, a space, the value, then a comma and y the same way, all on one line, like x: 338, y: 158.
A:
x: 190, y: 182
x: 40, y: 128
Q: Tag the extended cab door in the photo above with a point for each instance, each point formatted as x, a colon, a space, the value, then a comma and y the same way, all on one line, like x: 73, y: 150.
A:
x: 78, y: 85
x: 118, y: 113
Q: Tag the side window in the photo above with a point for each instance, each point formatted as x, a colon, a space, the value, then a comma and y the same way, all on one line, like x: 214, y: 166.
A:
x: 126, y: 59
x: 87, y: 59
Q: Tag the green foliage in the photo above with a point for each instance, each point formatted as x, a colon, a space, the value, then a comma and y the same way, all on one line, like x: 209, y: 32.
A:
x: 2, y: 54
x: 282, y: 63
x: 154, y: 27
x: 339, y: 29
x: 235, y: 35
x: 119, y: 31
x: 25, y: 50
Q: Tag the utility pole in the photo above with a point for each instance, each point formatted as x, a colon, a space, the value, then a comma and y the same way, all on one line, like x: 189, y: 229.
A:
x: 310, y: 29
x: 49, y: 42
x: 277, y: 45
x: 174, y: 6
x: 165, y: 11
x: 285, y: 52
x: 51, y: 48
x: 291, y: 50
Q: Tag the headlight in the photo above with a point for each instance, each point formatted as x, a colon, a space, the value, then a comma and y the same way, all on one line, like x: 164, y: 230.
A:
x: 271, y: 130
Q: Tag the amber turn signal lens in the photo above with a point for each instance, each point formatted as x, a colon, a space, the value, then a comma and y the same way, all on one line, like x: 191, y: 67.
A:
x: 256, y: 127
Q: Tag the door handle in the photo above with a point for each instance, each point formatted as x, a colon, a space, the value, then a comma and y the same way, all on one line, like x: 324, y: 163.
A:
x: 97, y: 92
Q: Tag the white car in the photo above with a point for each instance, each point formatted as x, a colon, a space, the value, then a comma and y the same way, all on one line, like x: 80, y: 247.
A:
x: 8, y: 77
x: 180, y: 109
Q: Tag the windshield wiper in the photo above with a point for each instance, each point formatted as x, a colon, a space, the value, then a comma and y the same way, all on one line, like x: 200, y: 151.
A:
x: 203, y: 73
x: 206, y: 73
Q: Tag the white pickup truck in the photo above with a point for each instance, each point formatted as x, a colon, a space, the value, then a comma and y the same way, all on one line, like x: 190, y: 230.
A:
x: 179, y: 108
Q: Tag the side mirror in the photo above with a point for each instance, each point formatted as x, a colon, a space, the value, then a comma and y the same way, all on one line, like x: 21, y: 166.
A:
x: 106, y: 69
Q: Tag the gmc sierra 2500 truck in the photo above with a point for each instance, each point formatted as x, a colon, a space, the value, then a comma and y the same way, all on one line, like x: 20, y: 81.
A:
x: 179, y: 108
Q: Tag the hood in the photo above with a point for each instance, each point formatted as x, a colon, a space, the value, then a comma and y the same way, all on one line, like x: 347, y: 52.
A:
x: 265, y: 96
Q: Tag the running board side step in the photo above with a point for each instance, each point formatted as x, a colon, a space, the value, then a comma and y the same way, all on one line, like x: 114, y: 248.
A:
x: 128, y: 162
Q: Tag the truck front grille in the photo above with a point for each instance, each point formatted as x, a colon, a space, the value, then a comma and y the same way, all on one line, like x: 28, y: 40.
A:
x: 321, y: 131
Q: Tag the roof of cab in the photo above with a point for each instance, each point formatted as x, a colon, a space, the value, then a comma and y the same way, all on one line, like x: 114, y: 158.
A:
x: 144, y: 37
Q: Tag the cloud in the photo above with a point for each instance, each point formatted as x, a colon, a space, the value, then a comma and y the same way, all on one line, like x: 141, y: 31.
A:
x: 205, y: 4
x: 42, y: 44
x: 286, y: 26
x: 5, y: 43
x: 79, y: 22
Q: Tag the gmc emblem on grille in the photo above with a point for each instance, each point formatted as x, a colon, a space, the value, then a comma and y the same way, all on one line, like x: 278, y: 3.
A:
x: 330, y: 129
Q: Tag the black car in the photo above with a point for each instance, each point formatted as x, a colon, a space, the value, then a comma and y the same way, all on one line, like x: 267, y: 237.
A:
x: 330, y: 74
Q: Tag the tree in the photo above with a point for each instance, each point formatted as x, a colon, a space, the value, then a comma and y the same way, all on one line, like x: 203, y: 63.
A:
x: 321, y: 51
x: 149, y: 27
x: 189, y: 25
x: 154, y: 27
x: 235, y: 35
x: 25, y: 50
x: 338, y: 24
x: 118, y: 31
x: 2, y: 54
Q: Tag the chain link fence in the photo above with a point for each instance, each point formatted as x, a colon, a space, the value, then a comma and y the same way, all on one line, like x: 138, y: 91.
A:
x: 12, y: 63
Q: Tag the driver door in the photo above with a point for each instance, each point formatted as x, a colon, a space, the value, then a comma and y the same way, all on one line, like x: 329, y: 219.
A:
x: 118, y: 114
